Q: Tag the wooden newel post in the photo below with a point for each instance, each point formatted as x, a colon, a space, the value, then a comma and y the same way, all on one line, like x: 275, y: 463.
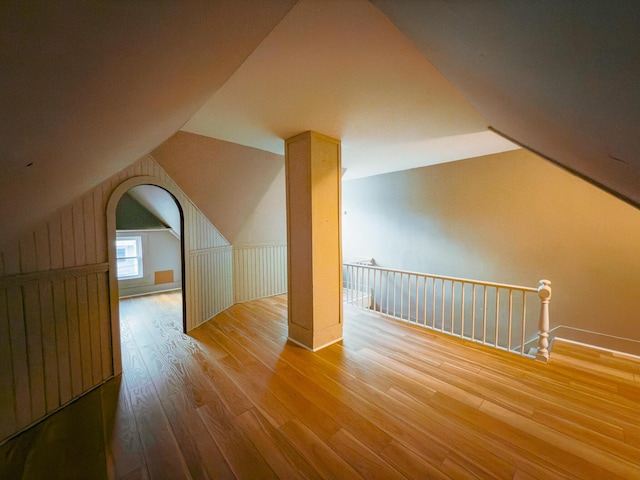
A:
x: 544, y: 292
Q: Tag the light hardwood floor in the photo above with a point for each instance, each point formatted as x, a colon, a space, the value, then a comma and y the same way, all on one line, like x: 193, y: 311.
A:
x: 235, y: 400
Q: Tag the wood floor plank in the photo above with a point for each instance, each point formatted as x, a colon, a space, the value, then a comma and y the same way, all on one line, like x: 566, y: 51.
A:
x: 324, y: 459
x: 235, y: 399
x: 202, y: 455
x: 409, y: 463
x: 283, y: 457
x: 362, y: 459
x: 243, y: 458
x: 161, y: 451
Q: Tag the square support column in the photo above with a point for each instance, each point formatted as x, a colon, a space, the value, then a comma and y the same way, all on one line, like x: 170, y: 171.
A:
x: 314, y: 253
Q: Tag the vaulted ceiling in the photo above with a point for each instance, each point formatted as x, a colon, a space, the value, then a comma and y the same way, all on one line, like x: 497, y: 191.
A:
x: 89, y: 87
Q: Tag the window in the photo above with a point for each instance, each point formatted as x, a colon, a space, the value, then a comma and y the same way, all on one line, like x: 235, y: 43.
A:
x: 129, y: 255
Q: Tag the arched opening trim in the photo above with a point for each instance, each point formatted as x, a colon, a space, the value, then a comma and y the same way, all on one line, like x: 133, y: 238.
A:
x: 114, y: 299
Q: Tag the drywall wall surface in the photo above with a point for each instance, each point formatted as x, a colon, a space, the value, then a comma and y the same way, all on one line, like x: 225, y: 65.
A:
x: 267, y: 223
x: 225, y: 180
x: 160, y: 252
x: 511, y: 218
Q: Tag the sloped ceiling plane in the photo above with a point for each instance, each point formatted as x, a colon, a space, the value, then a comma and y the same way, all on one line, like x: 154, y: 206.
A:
x: 90, y: 87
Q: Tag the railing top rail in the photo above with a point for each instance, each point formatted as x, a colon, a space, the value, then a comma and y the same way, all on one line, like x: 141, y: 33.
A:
x: 443, y: 277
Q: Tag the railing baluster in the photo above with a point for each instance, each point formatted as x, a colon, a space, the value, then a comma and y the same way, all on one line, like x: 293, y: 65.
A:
x: 453, y: 305
x: 443, y: 301
x: 510, y: 319
x: 354, y: 296
x: 424, y: 308
x: 352, y: 285
x: 416, y: 299
x: 370, y: 292
x: 433, y: 303
x: 544, y: 292
x: 484, y: 317
x: 363, y: 287
x: 355, y: 285
x: 524, y: 321
x: 394, y: 294
x: 402, y: 296
x: 387, y: 303
x: 349, y: 283
x: 372, y: 302
x: 495, y: 342
x: 354, y: 281
x: 473, y: 313
x: 462, y: 313
x: 380, y: 283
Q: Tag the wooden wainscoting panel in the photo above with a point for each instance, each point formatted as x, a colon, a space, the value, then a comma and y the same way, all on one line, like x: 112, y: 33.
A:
x: 259, y: 271
x: 35, y: 360
x: 49, y: 347
x: 62, y: 340
x: 105, y: 326
x: 73, y: 330
x: 19, y: 359
x: 8, y: 418
x: 94, y: 328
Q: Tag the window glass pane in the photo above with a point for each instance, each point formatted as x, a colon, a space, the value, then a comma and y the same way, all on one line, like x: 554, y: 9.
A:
x: 127, y: 267
x: 127, y: 248
x: 129, y: 255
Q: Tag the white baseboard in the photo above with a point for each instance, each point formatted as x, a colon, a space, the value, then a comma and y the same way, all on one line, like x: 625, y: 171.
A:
x: 150, y: 289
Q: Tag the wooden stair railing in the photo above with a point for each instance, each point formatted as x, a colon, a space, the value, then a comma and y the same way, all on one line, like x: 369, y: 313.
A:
x: 490, y: 313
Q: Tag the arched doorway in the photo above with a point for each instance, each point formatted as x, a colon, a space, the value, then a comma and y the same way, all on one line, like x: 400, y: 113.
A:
x: 114, y: 294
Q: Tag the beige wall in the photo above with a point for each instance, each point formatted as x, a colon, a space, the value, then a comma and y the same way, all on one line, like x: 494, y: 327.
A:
x: 227, y: 182
x: 267, y: 222
x: 511, y: 218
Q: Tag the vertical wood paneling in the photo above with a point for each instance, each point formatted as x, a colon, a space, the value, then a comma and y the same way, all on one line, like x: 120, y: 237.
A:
x: 34, y: 349
x: 210, y: 277
x: 84, y: 329
x: 105, y: 326
x: 8, y: 419
x: 94, y: 328
x: 18, y: 340
x: 259, y: 271
x: 49, y: 348
x: 62, y: 341
x: 73, y: 330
